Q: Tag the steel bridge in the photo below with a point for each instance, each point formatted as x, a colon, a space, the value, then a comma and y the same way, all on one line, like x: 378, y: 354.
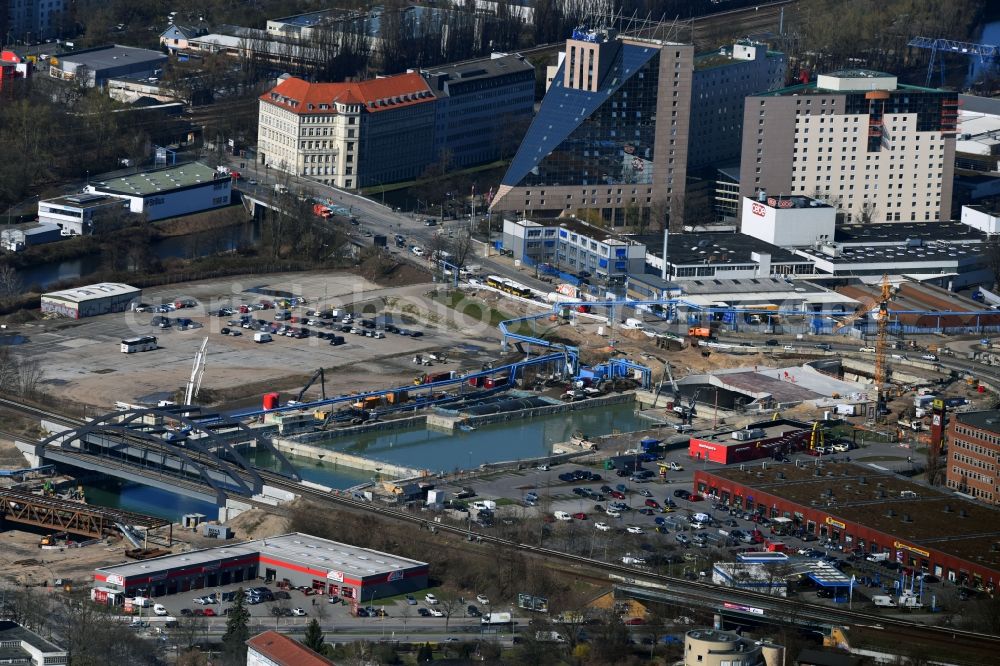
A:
x: 61, y: 515
x: 177, y: 448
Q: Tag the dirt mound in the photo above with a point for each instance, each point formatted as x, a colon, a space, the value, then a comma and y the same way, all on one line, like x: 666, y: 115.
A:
x: 256, y: 524
x: 388, y: 272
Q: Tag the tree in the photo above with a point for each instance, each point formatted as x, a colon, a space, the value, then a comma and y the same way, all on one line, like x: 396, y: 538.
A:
x: 314, y: 636
x: 461, y: 248
x: 450, y: 604
x: 868, y: 213
x: 10, y: 281
x: 234, y: 641
x: 425, y: 653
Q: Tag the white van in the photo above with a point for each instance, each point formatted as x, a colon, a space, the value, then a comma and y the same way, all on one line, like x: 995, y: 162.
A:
x: 562, y: 515
x: 261, y: 337
x: 884, y: 601
x: 635, y: 324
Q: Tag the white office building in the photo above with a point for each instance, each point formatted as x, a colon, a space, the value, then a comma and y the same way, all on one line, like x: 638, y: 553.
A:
x: 170, y: 192
x: 786, y: 221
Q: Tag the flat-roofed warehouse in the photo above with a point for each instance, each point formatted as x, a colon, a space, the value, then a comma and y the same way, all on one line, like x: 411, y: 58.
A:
x: 297, y: 559
x: 877, y: 512
x: 169, y: 192
x: 91, y: 300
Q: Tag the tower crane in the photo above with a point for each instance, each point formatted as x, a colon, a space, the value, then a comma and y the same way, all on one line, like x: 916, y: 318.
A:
x: 886, y: 292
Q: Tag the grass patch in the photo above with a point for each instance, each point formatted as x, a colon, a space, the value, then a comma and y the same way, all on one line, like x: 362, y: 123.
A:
x: 479, y: 310
x: 506, y: 501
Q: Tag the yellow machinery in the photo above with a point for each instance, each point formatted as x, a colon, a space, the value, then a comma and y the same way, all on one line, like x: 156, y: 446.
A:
x: 816, y: 438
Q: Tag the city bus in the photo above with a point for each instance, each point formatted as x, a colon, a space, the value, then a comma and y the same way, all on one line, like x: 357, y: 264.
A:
x: 139, y: 343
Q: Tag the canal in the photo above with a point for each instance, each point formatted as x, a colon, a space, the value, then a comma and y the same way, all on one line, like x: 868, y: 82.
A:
x: 421, y: 448
x: 199, y: 244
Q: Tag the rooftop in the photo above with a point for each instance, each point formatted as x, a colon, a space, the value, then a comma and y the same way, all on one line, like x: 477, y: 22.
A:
x: 715, y: 248
x: 985, y: 420
x: 870, y: 496
x: 598, y: 234
x: 92, y: 292
x: 12, y: 632
x: 790, y: 201
x: 160, y: 180
x: 655, y: 281
x: 780, y: 429
x: 309, y: 19
x: 298, y: 548
x: 84, y: 200
x: 442, y: 76
x: 896, y: 257
x: 104, y: 57
x: 977, y: 104
x: 381, y: 94
x: 284, y: 651
x: 900, y: 232
x: 724, y: 56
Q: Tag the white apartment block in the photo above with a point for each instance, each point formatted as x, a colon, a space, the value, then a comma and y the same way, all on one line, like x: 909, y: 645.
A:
x: 877, y: 150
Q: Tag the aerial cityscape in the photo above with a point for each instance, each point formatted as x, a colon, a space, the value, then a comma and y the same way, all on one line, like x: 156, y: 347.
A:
x: 542, y: 332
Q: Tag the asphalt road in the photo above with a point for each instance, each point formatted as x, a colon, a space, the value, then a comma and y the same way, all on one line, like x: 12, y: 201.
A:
x: 379, y: 219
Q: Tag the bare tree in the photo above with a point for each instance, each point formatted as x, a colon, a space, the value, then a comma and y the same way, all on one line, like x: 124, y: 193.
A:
x: 868, y: 213
x: 450, y: 604
x: 10, y: 281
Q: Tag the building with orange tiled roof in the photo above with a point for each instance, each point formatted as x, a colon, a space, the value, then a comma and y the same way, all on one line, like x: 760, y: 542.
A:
x: 353, y: 134
x: 273, y: 649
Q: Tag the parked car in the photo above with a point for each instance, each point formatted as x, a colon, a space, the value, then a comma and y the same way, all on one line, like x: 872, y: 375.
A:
x: 430, y: 598
x: 483, y: 599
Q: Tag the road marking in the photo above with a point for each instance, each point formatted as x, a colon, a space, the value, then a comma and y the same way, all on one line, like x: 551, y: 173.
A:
x: 879, y: 467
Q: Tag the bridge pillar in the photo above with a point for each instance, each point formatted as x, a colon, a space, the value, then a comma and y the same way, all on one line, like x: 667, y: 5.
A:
x: 231, y: 509
x: 33, y: 453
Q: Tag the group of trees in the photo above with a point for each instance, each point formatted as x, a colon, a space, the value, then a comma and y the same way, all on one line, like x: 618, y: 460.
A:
x: 18, y: 375
x: 832, y: 34
x: 52, y: 132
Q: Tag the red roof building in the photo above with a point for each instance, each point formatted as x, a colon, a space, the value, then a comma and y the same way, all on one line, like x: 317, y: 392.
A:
x: 273, y: 649
x: 353, y: 134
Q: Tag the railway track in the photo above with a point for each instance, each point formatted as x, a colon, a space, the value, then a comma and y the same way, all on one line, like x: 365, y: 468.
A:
x: 779, y: 607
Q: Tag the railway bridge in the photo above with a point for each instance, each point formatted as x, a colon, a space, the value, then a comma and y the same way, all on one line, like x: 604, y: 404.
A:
x: 178, y: 448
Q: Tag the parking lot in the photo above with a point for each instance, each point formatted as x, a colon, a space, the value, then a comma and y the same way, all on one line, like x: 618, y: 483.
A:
x: 83, y: 358
x: 660, y: 521
x: 296, y: 606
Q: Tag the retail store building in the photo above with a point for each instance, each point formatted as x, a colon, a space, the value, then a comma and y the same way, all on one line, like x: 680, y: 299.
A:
x: 872, y: 512
x: 296, y: 559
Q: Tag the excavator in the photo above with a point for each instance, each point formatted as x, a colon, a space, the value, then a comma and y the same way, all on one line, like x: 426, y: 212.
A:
x: 312, y: 380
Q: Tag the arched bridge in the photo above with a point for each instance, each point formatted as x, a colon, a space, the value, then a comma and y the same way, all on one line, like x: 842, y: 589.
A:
x: 178, y: 447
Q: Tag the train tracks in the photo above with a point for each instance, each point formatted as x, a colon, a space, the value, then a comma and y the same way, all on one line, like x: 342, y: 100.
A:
x: 774, y: 608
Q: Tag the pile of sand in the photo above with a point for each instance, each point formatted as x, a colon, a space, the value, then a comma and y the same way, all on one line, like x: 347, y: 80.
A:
x: 257, y: 524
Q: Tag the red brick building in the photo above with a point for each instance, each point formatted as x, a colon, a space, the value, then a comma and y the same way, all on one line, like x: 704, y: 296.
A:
x: 860, y: 508
x: 973, y: 451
